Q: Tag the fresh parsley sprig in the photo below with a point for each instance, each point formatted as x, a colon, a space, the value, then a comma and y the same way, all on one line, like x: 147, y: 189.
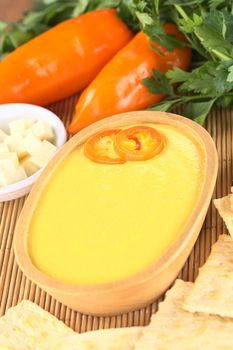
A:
x: 208, y: 27
x: 198, y: 90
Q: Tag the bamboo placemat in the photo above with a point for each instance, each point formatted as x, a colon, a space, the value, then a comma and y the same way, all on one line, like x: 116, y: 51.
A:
x: 14, y: 286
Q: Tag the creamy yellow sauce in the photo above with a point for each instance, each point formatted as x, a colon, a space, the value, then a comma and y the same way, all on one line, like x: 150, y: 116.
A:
x: 99, y: 223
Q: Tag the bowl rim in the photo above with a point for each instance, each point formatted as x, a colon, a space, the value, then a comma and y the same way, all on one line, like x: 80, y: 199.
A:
x: 194, y: 130
x: 60, y: 134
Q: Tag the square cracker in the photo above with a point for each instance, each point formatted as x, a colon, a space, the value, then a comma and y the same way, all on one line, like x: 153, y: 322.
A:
x: 225, y: 208
x: 212, y: 292
x: 173, y: 328
x: 28, y: 327
x: 105, y: 339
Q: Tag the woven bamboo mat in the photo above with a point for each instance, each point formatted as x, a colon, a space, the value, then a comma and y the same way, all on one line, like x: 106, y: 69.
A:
x: 14, y: 286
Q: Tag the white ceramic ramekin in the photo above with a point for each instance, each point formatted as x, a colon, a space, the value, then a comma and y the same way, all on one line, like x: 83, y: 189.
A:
x: 14, y: 111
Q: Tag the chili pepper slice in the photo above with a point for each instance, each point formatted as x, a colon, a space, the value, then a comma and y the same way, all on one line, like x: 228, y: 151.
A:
x: 100, y: 148
x: 139, y: 143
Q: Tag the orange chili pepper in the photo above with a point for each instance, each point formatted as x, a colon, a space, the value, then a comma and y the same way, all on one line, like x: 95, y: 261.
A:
x: 118, y: 87
x: 63, y: 60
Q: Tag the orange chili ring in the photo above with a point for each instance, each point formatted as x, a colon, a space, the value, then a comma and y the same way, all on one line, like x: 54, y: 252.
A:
x: 139, y: 143
x: 100, y: 148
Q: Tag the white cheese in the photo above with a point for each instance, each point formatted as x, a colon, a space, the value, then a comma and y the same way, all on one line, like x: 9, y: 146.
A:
x: 3, y: 135
x: 30, y: 165
x: 32, y: 144
x: 48, y: 149
x: 47, y: 152
x: 26, y: 150
x: 4, y: 148
x: 7, y: 168
x: 19, y: 127
x: 10, y: 157
x: 3, y: 181
x: 39, y: 158
x: 43, y: 130
x: 18, y: 175
x: 15, y: 144
x: 5, y: 176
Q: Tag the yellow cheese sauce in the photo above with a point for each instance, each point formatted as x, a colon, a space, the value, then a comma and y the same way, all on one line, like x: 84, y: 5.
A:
x: 99, y: 223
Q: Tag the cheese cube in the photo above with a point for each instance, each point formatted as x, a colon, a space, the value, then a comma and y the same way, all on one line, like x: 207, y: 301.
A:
x: 10, y: 157
x: 19, y: 127
x: 3, y: 180
x: 32, y: 144
x: 30, y: 166
x: 10, y: 174
x: 47, y: 152
x: 48, y: 149
x: 39, y: 159
x: 43, y: 130
x: 18, y: 175
x: 5, y: 177
x: 29, y: 122
x: 7, y: 168
x: 3, y: 135
x: 4, y: 148
x: 36, y: 162
x: 15, y: 144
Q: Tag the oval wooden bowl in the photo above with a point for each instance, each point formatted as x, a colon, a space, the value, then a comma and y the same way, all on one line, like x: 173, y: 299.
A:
x: 137, y: 291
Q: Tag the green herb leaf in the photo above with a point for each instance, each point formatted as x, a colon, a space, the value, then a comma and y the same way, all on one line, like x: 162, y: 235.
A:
x: 80, y: 8
x: 163, y: 106
x: 188, y: 3
x: 177, y: 75
x: 144, y: 18
x: 225, y: 100
x: 198, y: 111
x: 159, y: 84
x: 230, y: 75
x: 3, y: 26
x: 213, y: 4
x: 49, y: 2
x: 212, y: 35
x: 209, y: 79
x: 99, y: 4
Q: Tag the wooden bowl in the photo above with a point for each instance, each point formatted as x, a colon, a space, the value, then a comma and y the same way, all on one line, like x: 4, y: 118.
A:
x: 137, y: 291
